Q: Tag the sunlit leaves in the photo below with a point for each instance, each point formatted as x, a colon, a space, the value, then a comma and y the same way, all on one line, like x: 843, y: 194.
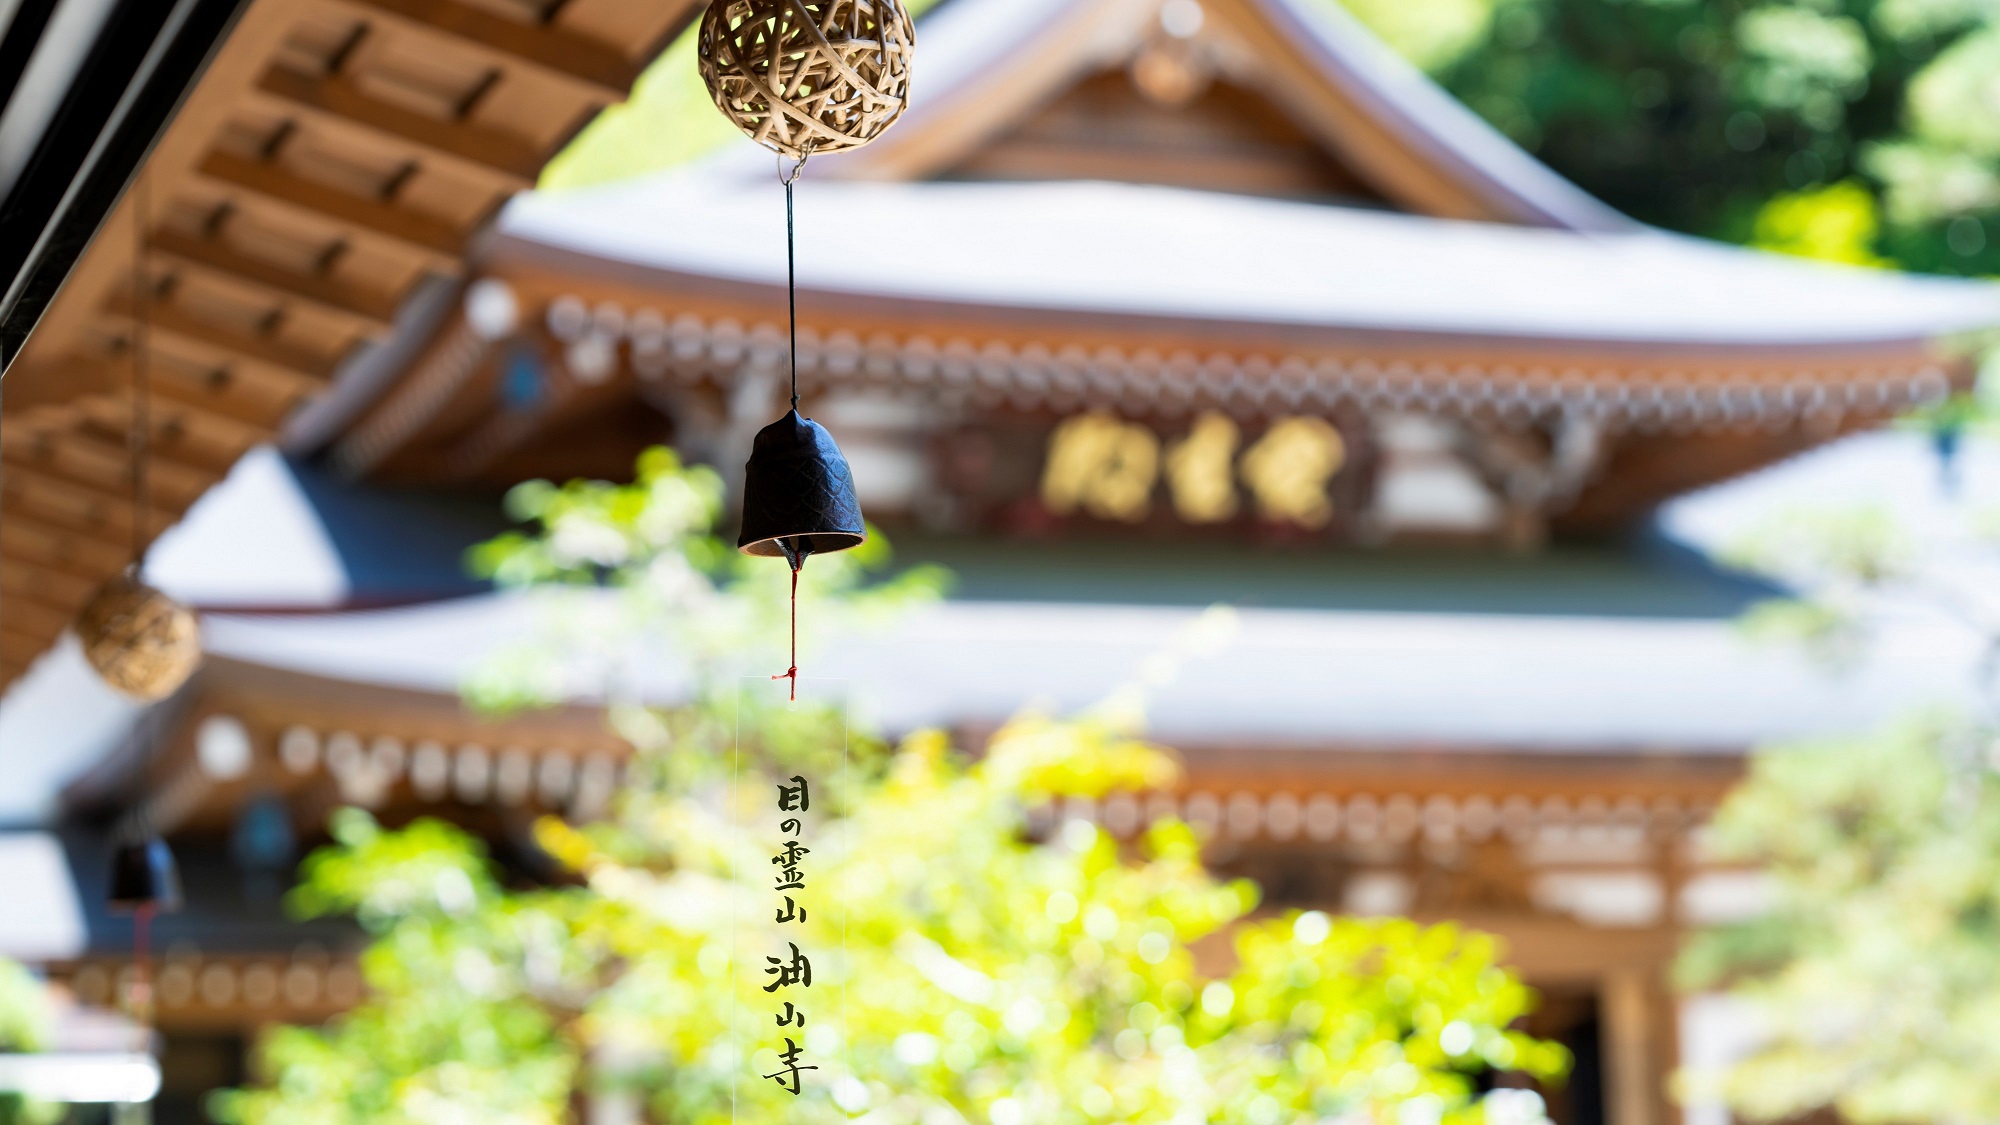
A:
x: 381, y: 877
x: 24, y: 1009
x: 25, y: 1019
x: 983, y: 973
x: 1837, y: 223
x: 1874, y: 971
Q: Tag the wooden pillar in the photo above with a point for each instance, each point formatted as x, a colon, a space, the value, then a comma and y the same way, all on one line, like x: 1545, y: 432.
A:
x: 1672, y: 846
x: 1666, y: 1052
x: 1629, y: 1028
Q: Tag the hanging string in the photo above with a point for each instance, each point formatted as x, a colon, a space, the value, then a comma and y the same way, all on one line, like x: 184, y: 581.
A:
x: 140, y: 1001
x: 141, y: 381
x: 792, y: 673
x: 139, y: 1004
x: 792, y: 265
x: 795, y: 553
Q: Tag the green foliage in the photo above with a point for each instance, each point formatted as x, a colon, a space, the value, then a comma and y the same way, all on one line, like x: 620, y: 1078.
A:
x: 1433, y: 34
x: 381, y: 877
x: 24, y: 1009
x: 24, y: 1026
x: 965, y: 967
x: 986, y: 975
x: 1823, y: 548
x: 1708, y: 117
x: 1875, y: 971
x: 1837, y: 223
x: 1842, y: 560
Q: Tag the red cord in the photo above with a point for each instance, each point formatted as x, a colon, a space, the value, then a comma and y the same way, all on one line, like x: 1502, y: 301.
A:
x: 141, y: 998
x: 792, y: 673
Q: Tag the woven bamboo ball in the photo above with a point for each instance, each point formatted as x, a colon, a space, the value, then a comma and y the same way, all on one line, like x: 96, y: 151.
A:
x: 142, y: 642
x: 808, y: 76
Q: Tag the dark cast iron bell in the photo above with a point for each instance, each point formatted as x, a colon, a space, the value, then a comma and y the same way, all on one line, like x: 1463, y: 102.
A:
x: 145, y: 877
x: 798, y: 494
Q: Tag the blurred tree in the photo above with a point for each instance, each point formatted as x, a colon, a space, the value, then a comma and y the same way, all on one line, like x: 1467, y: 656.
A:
x: 992, y: 971
x: 24, y: 1026
x: 1873, y: 973
x: 1837, y: 223
x: 1705, y: 117
x: 1433, y: 34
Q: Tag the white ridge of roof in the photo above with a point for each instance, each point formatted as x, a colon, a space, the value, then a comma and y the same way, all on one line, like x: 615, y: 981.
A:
x: 1104, y: 248
x: 1286, y: 678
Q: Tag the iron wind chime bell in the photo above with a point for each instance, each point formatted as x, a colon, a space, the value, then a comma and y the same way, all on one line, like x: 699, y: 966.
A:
x: 144, y: 877
x: 798, y: 494
x: 802, y: 77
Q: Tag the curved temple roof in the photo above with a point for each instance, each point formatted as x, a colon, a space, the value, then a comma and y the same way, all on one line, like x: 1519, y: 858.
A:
x: 1178, y: 255
x: 1283, y: 678
x: 984, y: 61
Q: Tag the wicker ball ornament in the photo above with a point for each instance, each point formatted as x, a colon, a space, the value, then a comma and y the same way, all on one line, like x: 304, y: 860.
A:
x: 142, y: 642
x: 808, y: 76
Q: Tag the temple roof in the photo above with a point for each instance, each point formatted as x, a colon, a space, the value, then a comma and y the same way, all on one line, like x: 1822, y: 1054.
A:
x: 1303, y: 679
x: 1184, y: 259
x: 982, y: 63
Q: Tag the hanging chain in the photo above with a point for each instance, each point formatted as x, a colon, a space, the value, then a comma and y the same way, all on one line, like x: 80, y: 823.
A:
x: 141, y: 377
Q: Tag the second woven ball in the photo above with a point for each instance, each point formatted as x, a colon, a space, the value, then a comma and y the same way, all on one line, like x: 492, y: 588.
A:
x: 142, y: 642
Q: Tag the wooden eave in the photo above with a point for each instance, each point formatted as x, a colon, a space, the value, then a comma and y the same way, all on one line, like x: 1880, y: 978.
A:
x: 336, y: 157
x: 447, y: 421
x: 390, y: 726
x: 168, y: 779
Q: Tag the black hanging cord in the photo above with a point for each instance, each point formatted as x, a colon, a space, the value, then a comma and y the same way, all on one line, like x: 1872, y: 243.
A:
x: 792, y: 268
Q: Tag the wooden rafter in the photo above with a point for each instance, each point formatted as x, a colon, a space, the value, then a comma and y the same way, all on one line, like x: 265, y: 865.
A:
x: 178, y: 430
x: 65, y: 503
x: 304, y: 369
x: 435, y: 243
x: 33, y: 616
x: 369, y: 314
x: 335, y: 98
x: 52, y: 587
x: 242, y: 392
x: 272, y: 270
x: 600, y: 69
x: 99, y: 462
x: 19, y: 648
x: 90, y: 555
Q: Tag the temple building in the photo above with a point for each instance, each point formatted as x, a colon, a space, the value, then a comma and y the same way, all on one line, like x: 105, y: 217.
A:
x: 1145, y: 306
